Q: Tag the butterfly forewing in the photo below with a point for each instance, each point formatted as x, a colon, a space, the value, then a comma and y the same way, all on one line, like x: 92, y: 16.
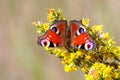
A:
x: 55, y: 36
x: 79, y: 36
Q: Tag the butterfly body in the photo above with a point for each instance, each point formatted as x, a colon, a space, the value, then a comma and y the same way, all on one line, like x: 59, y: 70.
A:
x: 60, y: 34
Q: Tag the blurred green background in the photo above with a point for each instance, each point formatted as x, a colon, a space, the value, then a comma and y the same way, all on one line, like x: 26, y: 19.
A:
x: 22, y: 59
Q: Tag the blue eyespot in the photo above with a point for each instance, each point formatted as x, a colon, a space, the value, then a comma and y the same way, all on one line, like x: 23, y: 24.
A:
x: 81, y: 30
x: 55, y: 29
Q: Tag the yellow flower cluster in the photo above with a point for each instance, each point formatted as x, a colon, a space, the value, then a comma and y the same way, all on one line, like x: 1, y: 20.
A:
x: 69, y: 60
x: 100, y: 71
x: 54, y: 15
x: 41, y: 27
x: 97, y: 28
x: 101, y: 63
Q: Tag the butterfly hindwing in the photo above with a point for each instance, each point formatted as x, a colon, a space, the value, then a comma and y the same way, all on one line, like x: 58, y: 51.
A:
x: 55, y: 35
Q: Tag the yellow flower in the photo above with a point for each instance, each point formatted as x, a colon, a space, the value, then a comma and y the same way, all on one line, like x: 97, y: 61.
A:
x: 59, y: 51
x: 46, y: 26
x: 105, y: 35
x: 41, y: 27
x: 48, y: 49
x: 94, y: 73
x: 116, y: 74
x: 54, y: 15
x: 87, y: 57
x: 65, y: 54
x: 50, y: 17
x: 85, y: 21
x: 117, y: 51
x: 64, y: 61
x: 110, y: 42
x: 79, y: 53
x: 107, y: 72
x: 99, y: 66
x: 97, y: 28
x: 72, y: 56
x: 71, y: 67
x: 89, y: 77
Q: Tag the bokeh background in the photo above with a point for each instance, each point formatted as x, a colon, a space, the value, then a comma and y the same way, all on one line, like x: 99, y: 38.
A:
x: 22, y: 59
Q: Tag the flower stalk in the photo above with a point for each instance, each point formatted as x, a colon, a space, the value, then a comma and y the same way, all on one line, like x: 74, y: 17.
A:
x: 101, y: 63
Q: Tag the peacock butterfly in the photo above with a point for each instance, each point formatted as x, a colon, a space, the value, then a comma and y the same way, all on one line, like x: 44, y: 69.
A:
x: 62, y: 34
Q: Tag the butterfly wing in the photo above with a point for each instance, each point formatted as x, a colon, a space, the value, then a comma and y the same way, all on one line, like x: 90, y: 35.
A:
x: 55, y: 36
x: 79, y: 36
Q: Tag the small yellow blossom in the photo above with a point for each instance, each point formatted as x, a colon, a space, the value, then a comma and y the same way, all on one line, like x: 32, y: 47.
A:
x: 65, y: 53
x: 93, y: 73
x: 46, y: 26
x: 97, y: 28
x: 89, y: 77
x: 85, y: 21
x: 117, y: 51
x: 54, y: 15
x: 72, y: 56
x: 116, y: 74
x: 105, y: 35
x: 110, y: 42
x: 107, y: 72
x: 79, y: 53
x: 60, y: 52
x: 87, y: 57
x: 71, y: 67
x: 41, y: 27
x: 48, y: 49
x: 99, y: 66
